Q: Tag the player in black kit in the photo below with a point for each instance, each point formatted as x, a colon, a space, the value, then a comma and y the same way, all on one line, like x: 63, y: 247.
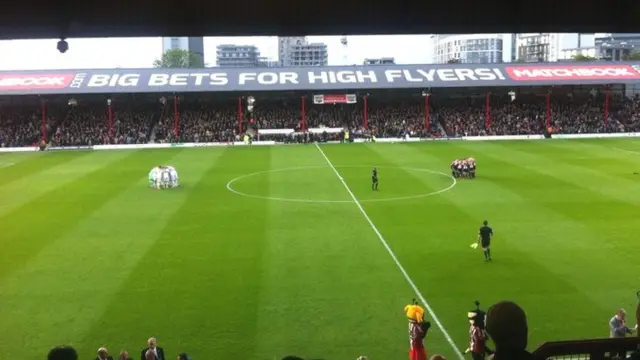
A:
x: 374, y: 179
x: 484, y: 239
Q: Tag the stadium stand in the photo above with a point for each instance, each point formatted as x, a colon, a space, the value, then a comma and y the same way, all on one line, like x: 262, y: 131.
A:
x: 202, y: 118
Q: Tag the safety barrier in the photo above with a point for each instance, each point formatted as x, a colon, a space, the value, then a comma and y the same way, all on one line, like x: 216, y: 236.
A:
x: 358, y: 140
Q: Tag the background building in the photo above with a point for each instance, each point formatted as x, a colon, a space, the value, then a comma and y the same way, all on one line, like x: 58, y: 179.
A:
x: 617, y: 46
x: 193, y: 44
x: 468, y: 48
x: 297, y: 51
x: 266, y: 62
x: 229, y: 55
x: 550, y: 47
x: 512, y: 52
x: 380, y: 61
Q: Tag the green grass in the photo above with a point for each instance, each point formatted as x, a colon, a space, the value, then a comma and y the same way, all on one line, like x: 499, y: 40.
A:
x: 90, y: 256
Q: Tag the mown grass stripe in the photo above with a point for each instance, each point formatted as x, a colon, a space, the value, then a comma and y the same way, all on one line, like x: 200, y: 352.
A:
x: 73, y: 276
x: 39, y: 183
x: 453, y: 227
x: 201, y: 277
x: 40, y: 222
x: 33, y: 165
x: 594, y: 235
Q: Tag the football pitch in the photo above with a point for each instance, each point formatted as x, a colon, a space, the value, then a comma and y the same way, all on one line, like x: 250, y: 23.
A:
x: 270, y: 251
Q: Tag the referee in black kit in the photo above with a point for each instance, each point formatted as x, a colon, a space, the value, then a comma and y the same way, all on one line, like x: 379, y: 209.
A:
x: 484, y: 239
x: 374, y: 179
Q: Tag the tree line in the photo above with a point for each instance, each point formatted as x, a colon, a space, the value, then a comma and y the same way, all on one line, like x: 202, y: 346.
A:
x: 179, y: 58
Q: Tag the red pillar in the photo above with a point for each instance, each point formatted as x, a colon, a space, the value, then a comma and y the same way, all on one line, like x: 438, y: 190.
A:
x: 365, y: 112
x: 110, y: 119
x: 43, y: 104
x: 487, y: 105
x: 176, y: 116
x: 426, y: 111
x: 607, y: 100
x: 548, y: 109
x: 240, y: 115
x: 303, y: 112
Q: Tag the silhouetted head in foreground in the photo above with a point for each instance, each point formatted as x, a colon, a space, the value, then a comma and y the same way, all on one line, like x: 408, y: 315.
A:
x: 63, y: 352
x: 507, y: 325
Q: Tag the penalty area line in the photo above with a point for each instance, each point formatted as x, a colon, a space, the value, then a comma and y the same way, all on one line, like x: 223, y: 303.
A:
x: 393, y: 256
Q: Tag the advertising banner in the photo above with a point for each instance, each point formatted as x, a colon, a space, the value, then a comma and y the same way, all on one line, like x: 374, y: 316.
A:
x: 314, y: 78
x: 335, y: 99
x: 64, y: 148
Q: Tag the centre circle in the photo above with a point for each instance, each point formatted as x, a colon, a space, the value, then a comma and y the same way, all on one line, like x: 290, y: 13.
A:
x: 230, y: 184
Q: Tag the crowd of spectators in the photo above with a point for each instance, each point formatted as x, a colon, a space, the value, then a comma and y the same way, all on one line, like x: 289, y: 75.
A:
x: 207, y: 121
x: 394, y: 119
x: 198, y: 122
x: 22, y: 125
x: 89, y: 125
x: 528, y: 115
x: 506, y: 325
x: 151, y: 352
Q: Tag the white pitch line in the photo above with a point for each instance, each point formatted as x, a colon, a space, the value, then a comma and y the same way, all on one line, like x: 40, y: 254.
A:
x: 627, y: 151
x: 418, y: 196
x: 394, y: 257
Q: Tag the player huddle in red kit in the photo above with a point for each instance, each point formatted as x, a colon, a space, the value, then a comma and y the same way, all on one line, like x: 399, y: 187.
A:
x: 464, y: 168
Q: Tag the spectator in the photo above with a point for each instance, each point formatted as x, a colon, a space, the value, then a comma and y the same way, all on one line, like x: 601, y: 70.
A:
x: 507, y: 325
x: 103, y: 354
x: 152, y: 349
x: 63, y: 352
x: 618, y: 325
x: 618, y: 328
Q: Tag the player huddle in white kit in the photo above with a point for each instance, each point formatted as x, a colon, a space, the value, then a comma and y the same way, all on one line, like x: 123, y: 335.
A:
x: 163, y: 177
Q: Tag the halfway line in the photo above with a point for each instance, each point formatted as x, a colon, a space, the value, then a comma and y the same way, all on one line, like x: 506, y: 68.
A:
x: 393, y: 256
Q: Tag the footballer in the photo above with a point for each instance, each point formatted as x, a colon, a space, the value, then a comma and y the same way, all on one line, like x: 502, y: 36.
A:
x: 163, y: 177
x: 464, y: 168
x: 484, y: 239
x: 374, y: 179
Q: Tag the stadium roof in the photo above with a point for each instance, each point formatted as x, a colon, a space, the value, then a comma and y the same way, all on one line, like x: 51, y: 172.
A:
x: 95, y: 18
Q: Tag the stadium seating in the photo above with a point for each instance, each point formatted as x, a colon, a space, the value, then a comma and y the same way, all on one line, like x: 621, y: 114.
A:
x: 204, y: 120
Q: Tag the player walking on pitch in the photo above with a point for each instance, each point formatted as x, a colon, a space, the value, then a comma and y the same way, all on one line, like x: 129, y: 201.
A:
x: 484, y: 239
x: 374, y: 179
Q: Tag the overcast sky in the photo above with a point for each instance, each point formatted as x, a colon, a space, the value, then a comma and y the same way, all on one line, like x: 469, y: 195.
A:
x: 141, y: 52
